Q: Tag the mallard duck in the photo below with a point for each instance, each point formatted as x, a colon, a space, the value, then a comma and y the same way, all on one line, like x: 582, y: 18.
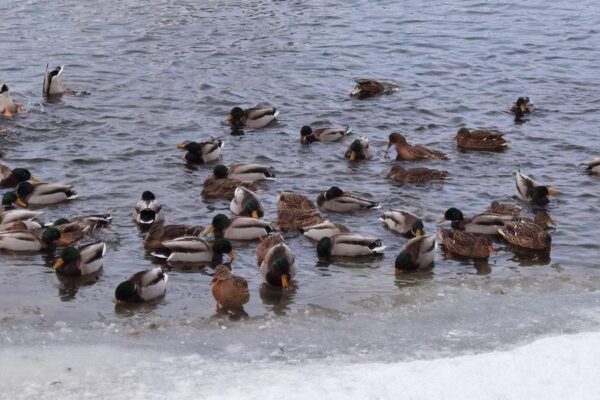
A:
x: 294, y: 218
x: 507, y: 209
x: 70, y: 232
x: 53, y: 82
x: 542, y: 219
x: 265, y: 244
x: 593, y: 167
x: 12, y: 177
x: 279, y: 266
x: 522, y: 106
x: 417, y: 255
x: 11, y: 216
x: 483, y: 224
x: 403, y: 222
x: 160, y: 233
x: 244, y: 172
x: 366, y: 88
x: 8, y: 201
x: 246, y: 203
x: 220, y: 186
x: 142, y: 286
x: 407, y: 152
x: 466, y: 244
x: 92, y: 221
x: 324, y: 229
x: 415, y: 175
x: 203, y: 152
x: 289, y: 200
x: 480, y: 140
x: 239, y: 228
x: 230, y: 291
x: 148, y: 210
x: 359, y: 150
x: 527, y: 235
x: 7, y: 105
x: 29, y: 240
x: 348, y: 245
x: 530, y: 190
x: 43, y: 194
x: 335, y: 199
x: 83, y: 260
x: 192, y: 249
x: 308, y: 135
x: 253, y: 118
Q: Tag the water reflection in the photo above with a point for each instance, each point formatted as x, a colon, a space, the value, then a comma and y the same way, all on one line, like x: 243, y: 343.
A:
x: 69, y: 285
x: 279, y: 299
x: 412, y: 279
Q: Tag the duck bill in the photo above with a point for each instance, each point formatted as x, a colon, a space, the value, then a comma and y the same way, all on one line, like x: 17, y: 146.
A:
x: 353, y: 156
x: 491, y: 250
x: 553, y: 192
x: 34, y: 179
x: 285, y: 282
x: 255, y: 214
x: 418, y: 233
x: 208, y: 230
x: 232, y: 256
x: 181, y: 146
x: 21, y: 203
x: 442, y: 220
x: 229, y: 118
x: 523, y: 108
x: 59, y: 263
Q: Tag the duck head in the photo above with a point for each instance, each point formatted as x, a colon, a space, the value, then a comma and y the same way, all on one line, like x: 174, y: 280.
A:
x: 305, y: 133
x: 405, y: 263
x: 221, y: 171
x: 279, y: 274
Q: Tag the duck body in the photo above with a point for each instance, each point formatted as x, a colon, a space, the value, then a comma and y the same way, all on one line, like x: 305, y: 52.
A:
x: 53, y: 81
x: 367, y: 88
x: 324, y: 229
x: 290, y: 200
x: 466, y: 244
x: 337, y: 200
x: 83, y: 260
x: 403, y: 222
x: 308, y: 135
x: 251, y: 172
x: 253, y: 118
x: 203, y: 152
x: 148, y: 210
x: 527, y: 235
x: 29, y: 241
x: 349, y: 245
x: 230, y: 291
x: 238, y: 228
x: 482, y: 224
x: 143, y: 286
x: 506, y: 209
x: 480, y: 140
x: 593, y: 167
x: 11, y: 216
x: 43, y: 194
x: 194, y: 250
x: 294, y: 218
x: 359, y: 149
x: 278, y: 267
x: 404, y: 176
x: 530, y: 190
x: 265, y: 245
x: 246, y: 203
x: 407, y: 152
x: 223, y: 188
x: 159, y: 233
x: 417, y: 255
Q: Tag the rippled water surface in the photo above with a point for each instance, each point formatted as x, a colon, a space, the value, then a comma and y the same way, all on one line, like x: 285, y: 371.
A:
x: 158, y: 73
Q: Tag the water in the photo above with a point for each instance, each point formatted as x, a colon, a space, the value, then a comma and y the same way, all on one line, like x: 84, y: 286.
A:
x: 159, y: 73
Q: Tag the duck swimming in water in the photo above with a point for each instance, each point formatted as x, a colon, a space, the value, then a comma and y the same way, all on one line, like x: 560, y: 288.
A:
x: 408, y: 152
x: 367, y: 88
x: 203, y: 152
x: 254, y: 118
x: 530, y: 190
x: 359, y: 150
x: 308, y: 135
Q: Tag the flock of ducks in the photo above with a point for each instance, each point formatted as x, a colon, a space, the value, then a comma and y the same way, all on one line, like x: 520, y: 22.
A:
x: 470, y: 237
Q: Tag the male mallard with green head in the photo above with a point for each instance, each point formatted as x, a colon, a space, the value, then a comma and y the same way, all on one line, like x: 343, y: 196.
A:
x: 253, y: 118
x: 83, y: 260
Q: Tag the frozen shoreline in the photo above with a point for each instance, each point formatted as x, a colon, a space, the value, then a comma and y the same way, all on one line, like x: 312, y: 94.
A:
x: 559, y: 367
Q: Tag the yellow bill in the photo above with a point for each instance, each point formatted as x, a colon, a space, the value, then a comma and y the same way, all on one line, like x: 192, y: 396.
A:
x: 353, y: 156
x: 34, y: 179
x: 59, y: 263
x: 284, y: 281
x: 181, y: 146
x: 255, y: 214
x: 21, y: 203
x: 232, y: 256
x: 553, y: 192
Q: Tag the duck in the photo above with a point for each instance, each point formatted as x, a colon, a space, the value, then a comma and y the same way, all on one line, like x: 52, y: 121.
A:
x: 522, y: 106
x: 417, y: 255
x: 29, y: 240
x: 359, y: 150
x: 593, y: 166
x: 291, y: 200
x: 294, y: 218
x: 324, y: 229
x: 10, y: 178
x: 253, y: 118
x: 308, y: 135
x: 148, y: 210
x: 407, y: 152
x: 11, y: 216
x: 507, y: 209
x: 230, y: 291
x: 483, y: 224
x: 541, y: 218
x: 70, y: 232
x: 279, y: 266
x: 335, y: 199
x: 160, y: 233
x: 265, y: 244
x: 526, y: 235
x: 8, y: 201
x: 367, y: 88
x: 220, y: 186
x: 244, y: 172
x: 466, y: 244
x: 43, y: 194
x: 480, y: 140
x: 246, y: 203
x: 403, y: 222
x: 7, y: 106
x: 92, y: 221
x: 348, y: 245
x: 83, y: 260
x: 142, y: 286
x: 53, y: 82
x: 238, y: 228
x: 203, y: 152
x: 21, y: 226
x: 403, y: 176
x: 530, y: 190
x: 192, y: 249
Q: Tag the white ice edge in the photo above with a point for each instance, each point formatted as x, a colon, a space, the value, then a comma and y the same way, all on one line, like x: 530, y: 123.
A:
x: 560, y: 367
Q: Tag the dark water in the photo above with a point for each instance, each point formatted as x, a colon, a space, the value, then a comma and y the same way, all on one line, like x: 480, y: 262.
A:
x: 159, y: 73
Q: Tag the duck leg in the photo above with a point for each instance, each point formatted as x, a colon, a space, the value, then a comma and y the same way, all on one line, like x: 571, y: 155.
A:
x: 6, y: 112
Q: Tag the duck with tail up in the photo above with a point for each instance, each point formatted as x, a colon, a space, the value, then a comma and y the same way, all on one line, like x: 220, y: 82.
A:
x: 53, y: 81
